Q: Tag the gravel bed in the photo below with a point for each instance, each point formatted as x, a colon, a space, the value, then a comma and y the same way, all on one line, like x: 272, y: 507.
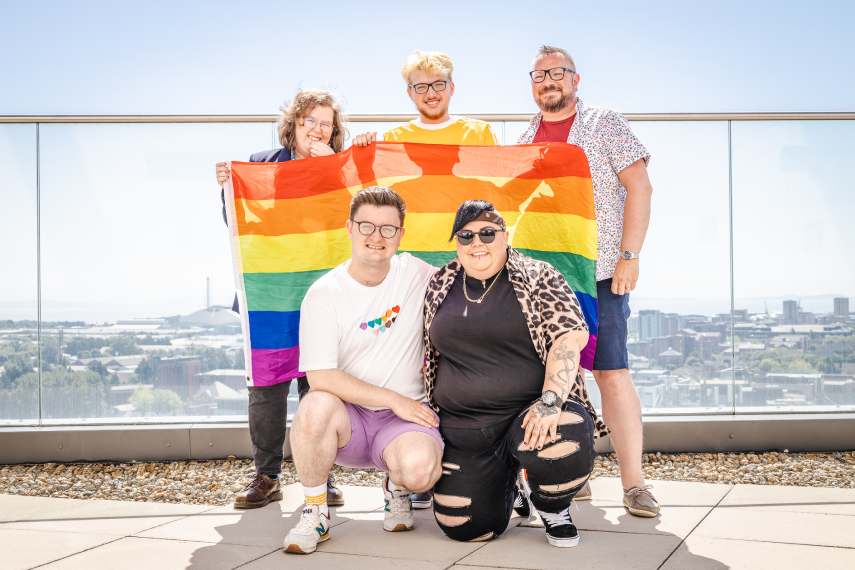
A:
x: 215, y: 482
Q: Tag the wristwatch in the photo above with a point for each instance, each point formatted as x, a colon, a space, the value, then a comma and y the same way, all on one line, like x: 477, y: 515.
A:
x: 629, y: 255
x: 549, y: 398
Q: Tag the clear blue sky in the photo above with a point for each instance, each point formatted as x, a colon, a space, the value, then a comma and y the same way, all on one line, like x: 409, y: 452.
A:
x: 98, y: 57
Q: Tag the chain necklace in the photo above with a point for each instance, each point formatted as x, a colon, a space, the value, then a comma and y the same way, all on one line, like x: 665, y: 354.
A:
x: 480, y: 299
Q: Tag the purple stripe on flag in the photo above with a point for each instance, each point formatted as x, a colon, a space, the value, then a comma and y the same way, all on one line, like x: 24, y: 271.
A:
x: 586, y: 359
x: 273, y: 366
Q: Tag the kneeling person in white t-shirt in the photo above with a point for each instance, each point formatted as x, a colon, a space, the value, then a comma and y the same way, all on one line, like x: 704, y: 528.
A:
x: 361, y: 348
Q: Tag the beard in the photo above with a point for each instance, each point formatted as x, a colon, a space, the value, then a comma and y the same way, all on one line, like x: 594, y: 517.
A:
x: 556, y: 105
x: 434, y: 114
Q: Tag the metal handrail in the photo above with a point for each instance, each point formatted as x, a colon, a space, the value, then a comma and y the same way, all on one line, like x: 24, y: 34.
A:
x: 362, y: 118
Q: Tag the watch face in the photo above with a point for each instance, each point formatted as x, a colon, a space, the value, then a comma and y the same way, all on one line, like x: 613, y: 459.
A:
x: 549, y: 398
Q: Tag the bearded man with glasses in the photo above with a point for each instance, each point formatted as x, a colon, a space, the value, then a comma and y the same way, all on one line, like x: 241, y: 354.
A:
x: 622, y: 194
x: 361, y: 327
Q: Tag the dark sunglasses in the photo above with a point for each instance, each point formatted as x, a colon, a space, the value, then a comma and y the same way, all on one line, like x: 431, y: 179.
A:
x: 486, y: 235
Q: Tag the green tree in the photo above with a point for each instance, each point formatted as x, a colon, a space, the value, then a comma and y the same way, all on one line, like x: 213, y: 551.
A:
x: 124, y: 345
x: 15, y: 366
x: 148, y: 402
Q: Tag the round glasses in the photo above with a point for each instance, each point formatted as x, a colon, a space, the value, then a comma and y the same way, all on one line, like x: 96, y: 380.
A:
x: 311, y: 123
x: 387, y: 231
x: 555, y: 74
x: 486, y: 235
x: 422, y: 88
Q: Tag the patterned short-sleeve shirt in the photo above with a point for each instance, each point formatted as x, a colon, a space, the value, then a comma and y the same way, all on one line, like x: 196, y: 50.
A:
x: 611, y: 146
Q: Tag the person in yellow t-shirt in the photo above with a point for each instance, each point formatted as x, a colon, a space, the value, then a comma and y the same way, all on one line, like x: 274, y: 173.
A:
x: 430, y: 86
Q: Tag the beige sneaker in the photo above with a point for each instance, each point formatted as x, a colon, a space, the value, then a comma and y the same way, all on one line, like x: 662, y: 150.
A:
x: 639, y: 501
x: 584, y: 493
x: 313, y: 528
x: 398, y: 509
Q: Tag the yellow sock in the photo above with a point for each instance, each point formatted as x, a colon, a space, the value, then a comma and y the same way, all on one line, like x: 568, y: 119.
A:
x: 317, y: 497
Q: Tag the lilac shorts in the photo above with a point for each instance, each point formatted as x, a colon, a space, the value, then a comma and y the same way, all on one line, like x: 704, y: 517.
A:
x: 370, y: 432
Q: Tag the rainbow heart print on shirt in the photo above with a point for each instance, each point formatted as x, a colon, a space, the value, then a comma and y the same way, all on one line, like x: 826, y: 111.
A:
x: 383, y: 322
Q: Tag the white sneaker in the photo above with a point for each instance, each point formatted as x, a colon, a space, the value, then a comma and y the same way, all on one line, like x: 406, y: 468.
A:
x: 397, y: 510
x: 314, y: 527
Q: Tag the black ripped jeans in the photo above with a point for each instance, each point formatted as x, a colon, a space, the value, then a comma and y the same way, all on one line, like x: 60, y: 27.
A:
x: 480, y: 465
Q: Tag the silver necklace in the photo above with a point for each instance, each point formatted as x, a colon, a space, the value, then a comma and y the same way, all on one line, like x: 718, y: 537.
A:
x: 480, y: 299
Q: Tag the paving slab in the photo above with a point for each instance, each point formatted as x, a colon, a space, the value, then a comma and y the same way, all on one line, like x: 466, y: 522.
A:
x: 607, y: 491
x: 119, y: 518
x: 527, y: 548
x: 779, y: 526
x: 326, y: 560
x: 268, y: 525
x: 23, y: 508
x: 826, y: 500
x: 28, y: 548
x: 468, y: 567
x: 672, y: 521
x: 133, y: 553
x: 684, y: 505
x: 426, y: 542
x: 751, y: 555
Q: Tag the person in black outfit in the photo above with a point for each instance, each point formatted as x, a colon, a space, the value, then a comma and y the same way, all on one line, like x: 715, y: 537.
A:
x: 503, y: 335
x: 312, y: 125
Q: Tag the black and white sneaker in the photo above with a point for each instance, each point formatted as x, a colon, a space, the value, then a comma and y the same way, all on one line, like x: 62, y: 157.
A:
x: 522, y: 504
x: 560, y: 530
x: 422, y: 500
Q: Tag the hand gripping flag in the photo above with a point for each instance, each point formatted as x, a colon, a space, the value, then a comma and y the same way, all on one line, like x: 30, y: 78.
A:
x: 287, y: 223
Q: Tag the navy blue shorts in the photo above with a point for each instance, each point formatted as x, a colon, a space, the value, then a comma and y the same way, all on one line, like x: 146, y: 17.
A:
x: 613, y: 312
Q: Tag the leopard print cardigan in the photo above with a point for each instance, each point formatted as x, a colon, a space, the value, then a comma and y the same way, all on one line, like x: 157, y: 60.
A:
x: 548, y: 304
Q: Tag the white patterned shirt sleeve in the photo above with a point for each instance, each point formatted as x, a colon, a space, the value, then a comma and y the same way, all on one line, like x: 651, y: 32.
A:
x: 622, y: 146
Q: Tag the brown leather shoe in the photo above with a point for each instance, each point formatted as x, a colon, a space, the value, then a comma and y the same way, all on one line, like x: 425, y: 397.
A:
x: 260, y: 492
x: 335, y: 497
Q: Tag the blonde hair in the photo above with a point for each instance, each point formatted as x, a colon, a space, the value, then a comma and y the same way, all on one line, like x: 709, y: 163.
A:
x: 428, y: 61
x: 304, y: 103
x: 545, y: 50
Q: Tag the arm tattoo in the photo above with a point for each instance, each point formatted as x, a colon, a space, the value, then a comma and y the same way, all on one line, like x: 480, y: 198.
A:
x: 566, y: 375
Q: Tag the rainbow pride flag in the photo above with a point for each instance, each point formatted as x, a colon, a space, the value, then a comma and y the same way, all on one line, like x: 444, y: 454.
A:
x: 287, y: 225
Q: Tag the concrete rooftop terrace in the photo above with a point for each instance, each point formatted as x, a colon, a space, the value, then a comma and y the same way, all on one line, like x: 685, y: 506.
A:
x: 702, y: 525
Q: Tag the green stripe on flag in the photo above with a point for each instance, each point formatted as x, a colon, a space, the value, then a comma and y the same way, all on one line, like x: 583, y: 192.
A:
x: 278, y: 291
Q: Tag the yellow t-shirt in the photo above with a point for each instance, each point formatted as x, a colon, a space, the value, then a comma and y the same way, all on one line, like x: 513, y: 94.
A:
x: 459, y: 130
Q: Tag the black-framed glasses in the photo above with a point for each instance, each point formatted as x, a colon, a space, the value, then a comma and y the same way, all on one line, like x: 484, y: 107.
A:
x: 387, y: 231
x: 311, y: 123
x: 437, y: 86
x: 555, y: 74
x: 486, y: 235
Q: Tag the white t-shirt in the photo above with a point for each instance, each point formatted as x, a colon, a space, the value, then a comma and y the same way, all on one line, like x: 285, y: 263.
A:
x: 372, y: 333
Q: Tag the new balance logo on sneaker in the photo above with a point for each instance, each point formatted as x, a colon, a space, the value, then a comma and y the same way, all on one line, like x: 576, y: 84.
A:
x: 313, y: 528
x: 560, y: 530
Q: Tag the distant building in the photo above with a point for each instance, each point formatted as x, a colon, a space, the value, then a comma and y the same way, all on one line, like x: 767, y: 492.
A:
x: 841, y: 307
x: 650, y: 324
x: 176, y: 373
x: 791, y: 313
x: 670, y: 358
